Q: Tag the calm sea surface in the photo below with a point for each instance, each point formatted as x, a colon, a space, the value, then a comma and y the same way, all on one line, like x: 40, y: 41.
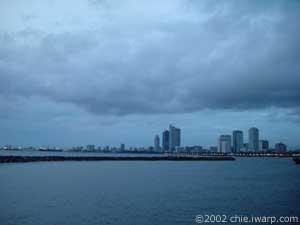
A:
x: 137, y: 192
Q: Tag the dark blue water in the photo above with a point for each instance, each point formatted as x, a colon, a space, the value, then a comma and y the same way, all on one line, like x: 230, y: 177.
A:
x: 136, y: 192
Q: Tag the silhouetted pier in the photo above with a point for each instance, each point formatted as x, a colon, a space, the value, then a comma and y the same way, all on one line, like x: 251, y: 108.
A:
x: 16, y: 159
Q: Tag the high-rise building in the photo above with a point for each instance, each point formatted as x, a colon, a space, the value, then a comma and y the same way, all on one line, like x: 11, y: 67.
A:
x: 237, y: 140
x: 122, y: 147
x: 280, y: 148
x: 156, y: 143
x: 253, y: 139
x: 174, y: 137
x: 263, y: 145
x: 166, y: 140
x: 225, y: 143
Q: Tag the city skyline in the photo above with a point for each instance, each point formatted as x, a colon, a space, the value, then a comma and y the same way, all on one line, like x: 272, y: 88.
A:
x: 68, y: 79
x: 171, y: 141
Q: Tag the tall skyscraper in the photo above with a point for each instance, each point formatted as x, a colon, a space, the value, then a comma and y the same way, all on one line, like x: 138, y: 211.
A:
x: 237, y: 140
x: 253, y: 139
x: 225, y: 143
x: 263, y: 145
x: 174, y: 134
x: 156, y: 143
x: 165, y: 140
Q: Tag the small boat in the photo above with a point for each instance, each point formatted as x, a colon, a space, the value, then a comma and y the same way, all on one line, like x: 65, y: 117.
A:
x: 297, y: 160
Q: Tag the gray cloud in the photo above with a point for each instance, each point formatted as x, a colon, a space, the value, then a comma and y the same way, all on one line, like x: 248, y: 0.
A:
x: 174, y: 59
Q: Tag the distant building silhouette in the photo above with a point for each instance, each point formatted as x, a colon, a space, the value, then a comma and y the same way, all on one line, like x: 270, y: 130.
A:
x: 165, y: 140
x: 156, y: 143
x: 174, y: 137
x: 122, y: 147
x: 253, y: 139
x: 90, y: 147
x: 195, y: 148
x: 225, y: 143
x: 280, y: 148
x: 245, y: 147
x: 237, y: 140
x: 213, y: 148
x: 263, y: 145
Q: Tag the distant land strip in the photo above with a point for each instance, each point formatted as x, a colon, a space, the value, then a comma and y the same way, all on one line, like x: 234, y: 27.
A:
x: 16, y: 159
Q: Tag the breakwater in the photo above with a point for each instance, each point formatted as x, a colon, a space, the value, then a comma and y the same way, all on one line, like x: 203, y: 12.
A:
x: 297, y: 160
x: 16, y: 159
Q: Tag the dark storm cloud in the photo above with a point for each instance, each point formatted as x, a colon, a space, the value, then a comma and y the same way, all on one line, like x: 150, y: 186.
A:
x: 217, y: 55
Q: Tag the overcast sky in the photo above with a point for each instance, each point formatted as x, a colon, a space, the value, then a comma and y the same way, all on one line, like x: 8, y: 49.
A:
x: 108, y: 72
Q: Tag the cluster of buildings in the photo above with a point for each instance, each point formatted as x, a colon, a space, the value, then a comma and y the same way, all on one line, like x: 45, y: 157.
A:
x: 227, y: 143
x: 93, y: 148
x: 235, y: 143
x: 171, y: 139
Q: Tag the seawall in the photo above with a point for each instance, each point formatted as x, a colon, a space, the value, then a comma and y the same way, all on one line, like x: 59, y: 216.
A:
x: 16, y: 159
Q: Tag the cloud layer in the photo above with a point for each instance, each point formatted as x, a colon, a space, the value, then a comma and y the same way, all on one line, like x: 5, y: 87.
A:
x: 138, y: 57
